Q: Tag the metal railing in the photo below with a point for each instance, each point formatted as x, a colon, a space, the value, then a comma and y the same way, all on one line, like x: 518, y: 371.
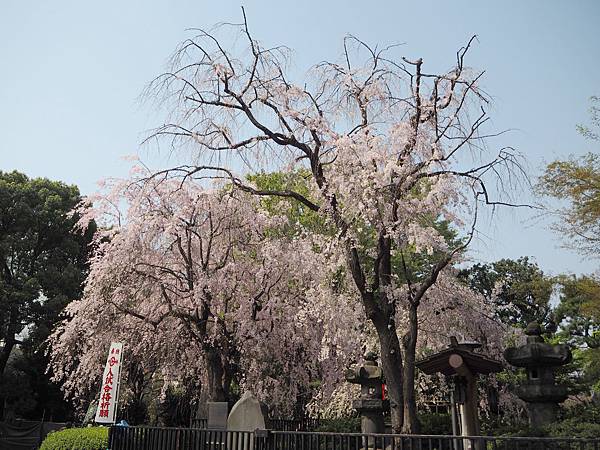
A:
x: 306, y: 424
x: 200, y: 423
x: 152, y: 438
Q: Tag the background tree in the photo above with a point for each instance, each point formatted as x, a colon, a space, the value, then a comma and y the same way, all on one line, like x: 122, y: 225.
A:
x: 578, y: 313
x: 43, y: 264
x: 385, y: 143
x: 576, y: 181
x: 518, y: 290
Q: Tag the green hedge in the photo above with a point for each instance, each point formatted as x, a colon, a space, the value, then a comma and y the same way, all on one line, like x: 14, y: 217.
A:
x: 340, y: 425
x: 92, y: 438
x: 574, y: 427
x: 435, y: 423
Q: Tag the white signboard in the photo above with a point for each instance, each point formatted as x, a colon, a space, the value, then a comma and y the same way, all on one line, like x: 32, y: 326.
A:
x: 109, y: 391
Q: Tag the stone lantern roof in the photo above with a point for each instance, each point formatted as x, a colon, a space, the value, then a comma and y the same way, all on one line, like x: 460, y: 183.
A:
x: 537, y: 353
x: 441, y: 362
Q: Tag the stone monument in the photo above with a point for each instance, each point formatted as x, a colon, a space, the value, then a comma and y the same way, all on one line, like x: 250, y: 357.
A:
x: 246, y: 415
x: 540, y: 391
x: 217, y: 415
x: 371, y: 404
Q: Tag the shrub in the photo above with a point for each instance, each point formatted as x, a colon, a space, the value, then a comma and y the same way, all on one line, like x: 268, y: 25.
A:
x: 568, y: 428
x: 435, y: 423
x: 92, y: 438
x: 340, y: 425
x: 574, y: 427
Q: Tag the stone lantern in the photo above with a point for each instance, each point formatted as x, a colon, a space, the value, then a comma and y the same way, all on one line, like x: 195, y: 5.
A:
x: 540, y: 391
x: 371, y: 404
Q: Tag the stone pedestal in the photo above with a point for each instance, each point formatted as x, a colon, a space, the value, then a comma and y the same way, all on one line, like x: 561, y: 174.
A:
x: 541, y: 414
x: 371, y: 414
x: 371, y: 404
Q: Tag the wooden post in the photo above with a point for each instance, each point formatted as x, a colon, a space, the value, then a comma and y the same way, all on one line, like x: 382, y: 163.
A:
x: 468, y: 410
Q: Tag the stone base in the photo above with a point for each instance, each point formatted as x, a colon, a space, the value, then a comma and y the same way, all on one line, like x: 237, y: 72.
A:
x: 371, y: 423
x: 541, y: 414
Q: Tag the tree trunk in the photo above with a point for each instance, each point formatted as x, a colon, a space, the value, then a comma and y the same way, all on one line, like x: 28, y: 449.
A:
x: 5, y: 353
x: 9, y: 344
x: 218, y: 391
x: 409, y: 342
x: 391, y: 363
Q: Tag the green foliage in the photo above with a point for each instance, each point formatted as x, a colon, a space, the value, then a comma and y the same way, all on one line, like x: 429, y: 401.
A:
x: 16, y: 387
x: 175, y: 409
x: 518, y: 289
x: 431, y: 423
x: 406, y: 264
x: 574, y: 427
x: 581, y: 421
x: 577, y: 313
x: 340, y: 425
x: 586, y: 412
x: 435, y: 423
x: 300, y: 217
x: 591, y: 368
x: 577, y: 181
x: 93, y: 438
x: 414, y: 266
x: 585, y: 130
x: 43, y: 264
x: 578, y: 308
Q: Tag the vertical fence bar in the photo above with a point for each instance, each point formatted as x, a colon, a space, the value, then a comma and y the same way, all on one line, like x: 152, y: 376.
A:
x: 148, y: 432
x: 192, y: 439
x: 138, y: 433
x: 203, y: 439
x: 162, y: 439
x: 133, y: 437
x: 157, y: 444
x: 167, y: 444
x: 130, y: 438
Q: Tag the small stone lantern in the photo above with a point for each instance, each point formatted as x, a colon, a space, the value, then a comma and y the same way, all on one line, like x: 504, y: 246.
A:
x: 371, y: 404
x: 540, y: 359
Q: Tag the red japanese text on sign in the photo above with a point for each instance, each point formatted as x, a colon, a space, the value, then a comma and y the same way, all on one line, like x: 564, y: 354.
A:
x: 107, y: 403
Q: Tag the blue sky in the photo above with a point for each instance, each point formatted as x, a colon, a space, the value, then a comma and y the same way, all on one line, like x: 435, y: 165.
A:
x: 72, y: 72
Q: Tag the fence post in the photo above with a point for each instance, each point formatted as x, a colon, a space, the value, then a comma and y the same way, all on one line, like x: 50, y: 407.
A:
x: 261, y: 439
x: 110, y: 438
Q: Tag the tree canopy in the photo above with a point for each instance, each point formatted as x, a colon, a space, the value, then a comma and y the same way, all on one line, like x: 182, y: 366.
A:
x: 576, y: 181
x: 199, y: 290
x: 390, y: 148
x: 518, y: 290
x: 43, y: 262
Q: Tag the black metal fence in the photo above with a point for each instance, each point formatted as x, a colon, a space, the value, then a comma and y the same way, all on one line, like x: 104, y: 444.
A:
x: 24, y: 434
x: 306, y: 424
x: 199, y: 423
x: 151, y: 438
